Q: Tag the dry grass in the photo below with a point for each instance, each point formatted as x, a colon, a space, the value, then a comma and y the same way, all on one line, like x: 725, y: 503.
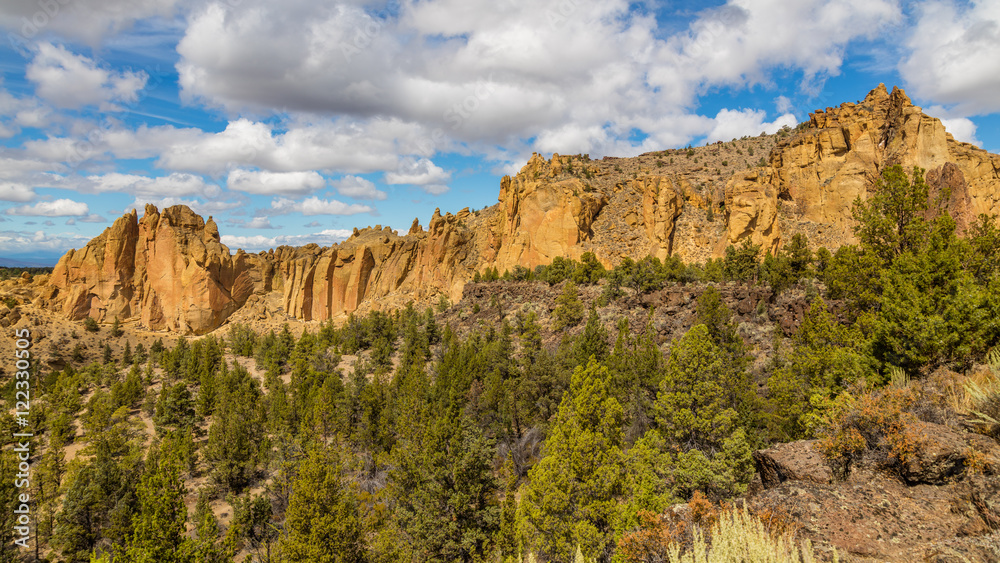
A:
x: 741, y: 537
x: 979, y: 397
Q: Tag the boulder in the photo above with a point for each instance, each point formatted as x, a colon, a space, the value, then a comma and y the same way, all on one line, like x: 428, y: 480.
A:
x: 794, y: 461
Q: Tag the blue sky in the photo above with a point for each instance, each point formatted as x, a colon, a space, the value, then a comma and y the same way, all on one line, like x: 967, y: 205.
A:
x: 294, y: 122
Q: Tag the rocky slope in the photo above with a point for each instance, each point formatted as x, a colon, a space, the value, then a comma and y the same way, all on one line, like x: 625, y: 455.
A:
x: 169, y: 271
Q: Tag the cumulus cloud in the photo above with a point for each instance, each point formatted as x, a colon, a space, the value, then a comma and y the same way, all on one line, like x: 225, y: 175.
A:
x: 255, y: 223
x: 56, y: 208
x: 73, y: 81
x: 417, y: 172
x: 954, y: 56
x: 203, y: 208
x: 358, y: 188
x: 581, y: 75
x: 342, y: 145
x: 257, y: 243
x: 274, y: 183
x: 11, y: 191
x: 85, y: 20
x: 18, y: 241
x: 734, y: 124
x: 316, y: 206
x: 172, y: 185
x: 963, y: 129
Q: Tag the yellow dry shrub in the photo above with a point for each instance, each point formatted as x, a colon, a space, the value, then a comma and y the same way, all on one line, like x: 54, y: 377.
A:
x: 741, y: 537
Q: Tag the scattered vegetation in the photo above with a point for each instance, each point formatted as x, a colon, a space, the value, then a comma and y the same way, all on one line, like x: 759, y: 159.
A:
x: 503, y: 440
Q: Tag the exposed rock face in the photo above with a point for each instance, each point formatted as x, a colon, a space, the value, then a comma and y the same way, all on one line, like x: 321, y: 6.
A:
x: 936, y: 510
x: 821, y: 171
x: 541, y: 218
x: 168, y: 270
x: 374, y: 264
x: 751, y: 205
x: 661, y: 205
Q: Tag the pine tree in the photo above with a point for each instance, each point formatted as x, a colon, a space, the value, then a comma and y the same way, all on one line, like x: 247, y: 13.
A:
x: 594, y: 340
x: 692, y: 408
x: 892, y: 221
x: 571, y: 498
x: 322, y: 523
x: 569, y: 309
x: 158, y: 528
x: 237, y: 440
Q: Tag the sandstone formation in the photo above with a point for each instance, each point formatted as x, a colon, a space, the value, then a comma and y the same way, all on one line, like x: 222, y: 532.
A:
x: 821, y: 171
x: 375, y: 264
x: 542, y: 216
x: 169, y: 270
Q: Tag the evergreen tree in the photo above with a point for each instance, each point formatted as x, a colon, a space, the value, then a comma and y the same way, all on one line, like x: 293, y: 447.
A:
x: 322, y: 523
x: 594, y: 340
x: 237, y: 439
x: 447, y: 492
x: 931, y: 311
x: 693, y: 407
x: 825, y: 358
x: 569, y: 309
x: 740, y: 263
x: 571, y: 498
x: 892, y: 221
x: 158, y: 528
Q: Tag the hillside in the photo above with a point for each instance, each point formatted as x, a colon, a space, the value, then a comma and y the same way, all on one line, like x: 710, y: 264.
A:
x: 689, y: 203
x: 620, y: 361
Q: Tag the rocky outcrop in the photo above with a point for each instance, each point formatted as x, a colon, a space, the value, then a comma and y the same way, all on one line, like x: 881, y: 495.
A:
x: 819, y: 172
x: 168, y: 271
x: 941, y: 507
x: 662, y: 202
x: 376, y: 264
x: 542, y: 216
x: 752, y: 210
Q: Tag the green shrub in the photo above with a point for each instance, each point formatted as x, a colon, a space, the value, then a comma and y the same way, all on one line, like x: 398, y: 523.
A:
x: 90, y: 325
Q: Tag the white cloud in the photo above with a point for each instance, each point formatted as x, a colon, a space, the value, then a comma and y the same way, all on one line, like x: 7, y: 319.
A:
x: 734, y: 124
x: 10, y: 191
x: 358, y: 188
x: 435, y: 189
x: 255, y: 223
x: 18, y: 241
x: 417, y: 172
x: 316, y: 206
x: 203, y: 208
x: 954, y: 56
x: 86, y: 20
x: 257, y: 243
x: 57, y: 208
x: 274, y: 183
x: 73, y: 81
x: 173, y: 185
x: 340, y: 145
x: 963, y: 129
x: 473, y: 74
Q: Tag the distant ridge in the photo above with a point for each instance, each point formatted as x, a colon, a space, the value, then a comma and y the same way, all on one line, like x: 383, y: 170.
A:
x: 15, y: 261
x: 169, y: 270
